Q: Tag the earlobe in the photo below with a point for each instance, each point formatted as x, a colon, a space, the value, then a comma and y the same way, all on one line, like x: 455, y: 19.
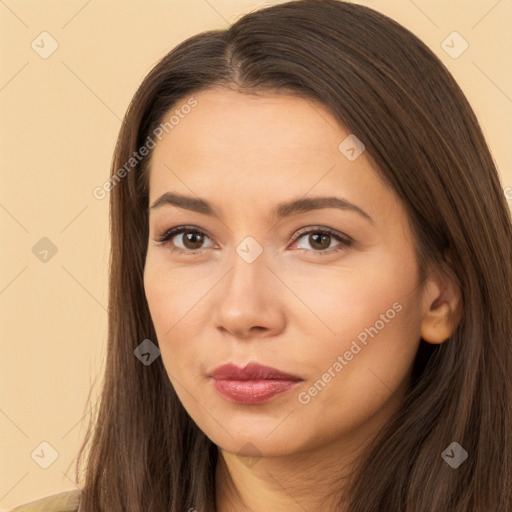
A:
x: 442, y: 312
x: 435, y: 328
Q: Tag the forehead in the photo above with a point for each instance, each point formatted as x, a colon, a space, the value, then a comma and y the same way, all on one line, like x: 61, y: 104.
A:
x: 234, y: 148
x: 268, y: 124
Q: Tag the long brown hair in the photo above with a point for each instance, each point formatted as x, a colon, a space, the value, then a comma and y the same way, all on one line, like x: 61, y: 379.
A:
x: 142, y: 451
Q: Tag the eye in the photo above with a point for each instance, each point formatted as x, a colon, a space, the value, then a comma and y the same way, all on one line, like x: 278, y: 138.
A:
x: 320, y: 240
x: 190, y: 243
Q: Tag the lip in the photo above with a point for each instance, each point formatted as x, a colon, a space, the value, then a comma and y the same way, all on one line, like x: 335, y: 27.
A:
x: 252, y: 384
x: 251, y: 371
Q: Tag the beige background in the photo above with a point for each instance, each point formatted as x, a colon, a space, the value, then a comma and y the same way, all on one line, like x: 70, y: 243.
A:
x: 60, y: 118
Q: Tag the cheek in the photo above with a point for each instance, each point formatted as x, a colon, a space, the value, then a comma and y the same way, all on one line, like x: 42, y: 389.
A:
x: 162, y: 298
x: 370, y: 378
x: 370, y: 333
x: 176, y: 303
x: 354, y: 300
x: 172, y: 291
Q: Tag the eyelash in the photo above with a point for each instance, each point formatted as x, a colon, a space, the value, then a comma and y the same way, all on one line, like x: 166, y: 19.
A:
x: 346, y: 241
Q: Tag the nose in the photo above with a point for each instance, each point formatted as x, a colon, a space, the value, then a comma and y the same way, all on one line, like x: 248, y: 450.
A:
x: 249, y: 300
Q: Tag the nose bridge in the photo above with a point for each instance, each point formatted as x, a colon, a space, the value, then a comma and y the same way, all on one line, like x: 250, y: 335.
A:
x: 249, y: 272
x: 247, y: 298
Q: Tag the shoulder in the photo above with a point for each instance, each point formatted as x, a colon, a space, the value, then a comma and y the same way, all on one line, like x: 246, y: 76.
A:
x: 66, y: 501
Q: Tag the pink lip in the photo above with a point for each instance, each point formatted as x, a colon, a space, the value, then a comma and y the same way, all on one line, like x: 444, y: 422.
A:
x: 252, y: 384
x: 251, y: 371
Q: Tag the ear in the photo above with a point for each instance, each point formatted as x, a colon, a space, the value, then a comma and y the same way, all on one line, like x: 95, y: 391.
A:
x: 441, y: 307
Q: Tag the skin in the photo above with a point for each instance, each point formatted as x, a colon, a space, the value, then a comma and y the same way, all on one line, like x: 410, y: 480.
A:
x: 292, y: 308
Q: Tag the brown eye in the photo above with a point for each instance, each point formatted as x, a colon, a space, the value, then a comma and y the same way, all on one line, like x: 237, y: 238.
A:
x: 193, y: 239
x: 319, y: 241
x: 186, y: 239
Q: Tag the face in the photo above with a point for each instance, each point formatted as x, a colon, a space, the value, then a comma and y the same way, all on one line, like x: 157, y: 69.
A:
x: 328, y: 294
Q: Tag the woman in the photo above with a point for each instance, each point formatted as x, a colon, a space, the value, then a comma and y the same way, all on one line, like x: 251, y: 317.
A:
x: 334, y: 330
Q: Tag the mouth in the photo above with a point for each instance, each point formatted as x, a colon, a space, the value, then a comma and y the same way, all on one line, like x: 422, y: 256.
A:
x: 252, y: 384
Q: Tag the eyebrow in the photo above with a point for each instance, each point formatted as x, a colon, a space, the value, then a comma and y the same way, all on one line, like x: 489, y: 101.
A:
x: 281, y: 210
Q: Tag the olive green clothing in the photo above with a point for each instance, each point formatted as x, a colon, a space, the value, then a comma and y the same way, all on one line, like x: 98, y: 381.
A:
x: 66, y: 501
